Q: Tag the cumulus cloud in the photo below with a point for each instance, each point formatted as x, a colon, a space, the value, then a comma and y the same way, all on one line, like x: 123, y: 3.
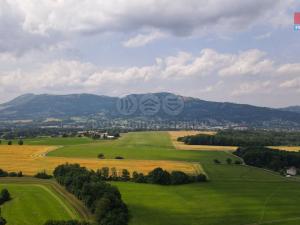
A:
x: 210, y: 71
x: 26, y: 24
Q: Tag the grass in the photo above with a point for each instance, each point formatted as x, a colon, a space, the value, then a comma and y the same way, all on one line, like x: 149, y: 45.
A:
x: 34, y: 204
x: 235, y: 194
x: 213, y: 203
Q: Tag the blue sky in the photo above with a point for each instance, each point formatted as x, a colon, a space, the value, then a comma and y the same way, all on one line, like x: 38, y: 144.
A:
x: 219, y: 50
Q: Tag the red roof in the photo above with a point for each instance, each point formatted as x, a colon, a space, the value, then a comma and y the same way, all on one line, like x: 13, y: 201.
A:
x: 297, y: 18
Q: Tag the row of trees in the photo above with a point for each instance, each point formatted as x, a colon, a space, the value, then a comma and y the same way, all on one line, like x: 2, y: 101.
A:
x: 156, y: 176
x: 268, y: 158
x: 101, y: 198
x: 244, y: 138
x: 4, y: 173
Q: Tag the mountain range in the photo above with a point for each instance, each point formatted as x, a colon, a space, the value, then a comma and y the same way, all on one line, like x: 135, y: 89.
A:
x: 40, y: 107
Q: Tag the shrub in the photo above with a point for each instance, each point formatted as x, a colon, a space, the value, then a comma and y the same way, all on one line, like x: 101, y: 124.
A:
x: 201, y: 178
x: 216, y: 161
x: 119, y: 157
x: 9, y: 142
x: 12, y: 174
x: 3, y: 173
x: 4, y: 196
x: 237, y: 162
x: 101, y: 156
x: 2, y: 221
x: 229, y: 161
x: 20, y: 142
x: 178, y: 177
x: 43, y: 175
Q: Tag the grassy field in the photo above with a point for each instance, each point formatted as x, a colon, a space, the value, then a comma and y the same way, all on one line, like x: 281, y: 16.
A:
x: 214, y: 203
x: 34, y: 204
x: 234, y: 195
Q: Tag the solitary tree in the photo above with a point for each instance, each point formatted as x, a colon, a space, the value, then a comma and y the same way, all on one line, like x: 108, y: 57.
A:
x: 20, y: 142
x: 229, y: 161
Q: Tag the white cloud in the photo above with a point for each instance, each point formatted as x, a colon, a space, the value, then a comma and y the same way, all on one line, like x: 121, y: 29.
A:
x: 26, y: 24
x: 143, y: 39
x: 251, y: 62
x: 293, y: 84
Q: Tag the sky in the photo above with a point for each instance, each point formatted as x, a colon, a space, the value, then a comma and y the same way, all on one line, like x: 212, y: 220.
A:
x: 217, y: 50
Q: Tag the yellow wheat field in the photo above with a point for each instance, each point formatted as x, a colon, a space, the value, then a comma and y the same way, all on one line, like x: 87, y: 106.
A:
x: 31, y: 159
x: 287, y: 148
x: 181, y: 146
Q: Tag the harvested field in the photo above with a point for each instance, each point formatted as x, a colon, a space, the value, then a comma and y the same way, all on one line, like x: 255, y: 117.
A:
x: 181, y: 146
x: 287, y: 148
x: 31, y: 159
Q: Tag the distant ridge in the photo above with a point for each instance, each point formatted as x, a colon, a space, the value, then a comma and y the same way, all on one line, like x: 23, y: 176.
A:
x: 41, y: 107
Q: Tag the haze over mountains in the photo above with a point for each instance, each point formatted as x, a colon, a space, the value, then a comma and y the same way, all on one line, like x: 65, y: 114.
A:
x: 40, y: 107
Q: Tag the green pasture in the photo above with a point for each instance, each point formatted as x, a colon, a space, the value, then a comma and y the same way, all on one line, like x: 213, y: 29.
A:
x: 33, y: 204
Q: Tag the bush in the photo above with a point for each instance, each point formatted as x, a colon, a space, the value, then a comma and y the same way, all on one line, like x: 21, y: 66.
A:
x: 2, y: 221
x: 119, y: 157
x: 237, y: 162
x: 216, y: 161
x: 9, y: 142
x: 4, y: 196
x: 12, y: 174
x: 101, y: 156
x: 229, y: 161
x: 201, y: 178
x: 178, y: 177
x: 3, y: 173
x: 43, y: 175
x: 20, y: 142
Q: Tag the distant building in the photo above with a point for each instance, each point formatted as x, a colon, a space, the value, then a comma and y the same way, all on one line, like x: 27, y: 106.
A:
x: 292, y: 171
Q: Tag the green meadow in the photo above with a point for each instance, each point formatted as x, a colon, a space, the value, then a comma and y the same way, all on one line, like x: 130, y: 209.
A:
x: 234, y: 194
x: 33, y: 204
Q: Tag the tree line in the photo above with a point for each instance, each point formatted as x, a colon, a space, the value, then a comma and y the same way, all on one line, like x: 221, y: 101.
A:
x: 264, y: 157
x: 156, y: 176
x: 4, y: 173
x: 244, y: 138
x: 101, y: 198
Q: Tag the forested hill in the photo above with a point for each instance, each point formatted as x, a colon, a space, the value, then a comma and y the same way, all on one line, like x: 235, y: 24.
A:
x: 37, y: 107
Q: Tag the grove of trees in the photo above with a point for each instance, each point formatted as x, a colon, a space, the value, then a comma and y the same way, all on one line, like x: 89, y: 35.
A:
x: 101, y: 198
x: 244, y: 138
x: 268, y: 158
